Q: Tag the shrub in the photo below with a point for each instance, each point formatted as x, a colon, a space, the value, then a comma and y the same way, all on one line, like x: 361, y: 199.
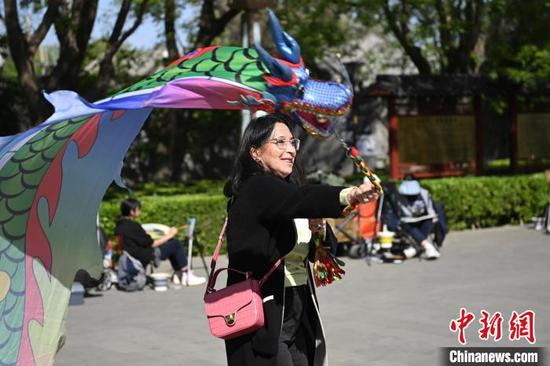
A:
x: 174, y: 211
x: 476, y: 202
x: 470, y: 202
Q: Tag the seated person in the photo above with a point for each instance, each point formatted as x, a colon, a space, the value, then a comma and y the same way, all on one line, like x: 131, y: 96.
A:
x: 417, y: 213
x: 141, y: 246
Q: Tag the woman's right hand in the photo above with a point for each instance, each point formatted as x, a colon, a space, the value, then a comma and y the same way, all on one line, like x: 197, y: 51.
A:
x: 316, y: 225
x: 362, y: 194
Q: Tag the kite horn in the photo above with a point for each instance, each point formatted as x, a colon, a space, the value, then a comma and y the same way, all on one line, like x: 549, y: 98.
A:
x: 275, y: 67
x: 286, y: 45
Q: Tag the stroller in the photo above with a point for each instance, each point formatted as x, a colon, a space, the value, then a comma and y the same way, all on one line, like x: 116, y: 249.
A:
x: 364, y: 225
x: 392, y: 217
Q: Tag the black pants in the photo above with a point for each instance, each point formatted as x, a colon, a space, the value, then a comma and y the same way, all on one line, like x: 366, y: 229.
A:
x: 173, y: 250
x: 297, y: 341
x: 419, y: 230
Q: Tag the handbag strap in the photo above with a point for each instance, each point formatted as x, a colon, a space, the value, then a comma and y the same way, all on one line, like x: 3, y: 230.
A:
x: 214, y: 274
x: 211, y: 277
x: 266, y: 276
x: 218, y: 246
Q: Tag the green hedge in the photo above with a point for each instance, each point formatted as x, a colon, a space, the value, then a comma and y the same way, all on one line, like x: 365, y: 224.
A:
x: 174, y: 211
x: 469, y: 202
x: 476, y: 202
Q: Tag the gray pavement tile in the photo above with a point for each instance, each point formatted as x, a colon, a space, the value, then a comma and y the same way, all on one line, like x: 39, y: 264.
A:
x: 382, y: 315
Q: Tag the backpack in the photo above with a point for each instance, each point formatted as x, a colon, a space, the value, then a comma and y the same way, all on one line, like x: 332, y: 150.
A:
x: 131, y: 274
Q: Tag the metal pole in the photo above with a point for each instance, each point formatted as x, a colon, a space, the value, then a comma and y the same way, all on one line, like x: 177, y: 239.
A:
x: 250, y: 34
x: 190, y: 234
x: 245, y: 39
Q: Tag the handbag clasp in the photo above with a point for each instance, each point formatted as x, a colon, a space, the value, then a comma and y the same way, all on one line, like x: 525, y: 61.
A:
x: 230, y: 319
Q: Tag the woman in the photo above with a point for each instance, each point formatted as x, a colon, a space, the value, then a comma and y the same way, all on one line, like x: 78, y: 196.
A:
x: 140, y: 245
x: 260, y: 230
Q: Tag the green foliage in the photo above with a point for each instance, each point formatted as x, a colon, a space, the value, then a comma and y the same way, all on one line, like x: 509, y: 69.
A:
x: 8, y: 69
x: 438, y: 36
x: 489, y: 201
x: 469, y: 202
x: 318, y: 26
x: 533, y: 65
x: 174, y: 211
x: 203, y: 186
x: 518, y: 46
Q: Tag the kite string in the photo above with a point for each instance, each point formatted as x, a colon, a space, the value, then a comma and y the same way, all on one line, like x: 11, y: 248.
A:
x: 358, y: 161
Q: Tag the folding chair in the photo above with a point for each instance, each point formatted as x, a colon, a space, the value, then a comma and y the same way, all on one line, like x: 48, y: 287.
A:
x: 190, y: 237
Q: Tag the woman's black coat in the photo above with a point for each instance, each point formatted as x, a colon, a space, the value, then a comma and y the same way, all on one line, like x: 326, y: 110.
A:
x: 261, y: 230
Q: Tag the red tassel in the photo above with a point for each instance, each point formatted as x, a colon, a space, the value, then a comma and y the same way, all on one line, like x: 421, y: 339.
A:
x: 325, y: 269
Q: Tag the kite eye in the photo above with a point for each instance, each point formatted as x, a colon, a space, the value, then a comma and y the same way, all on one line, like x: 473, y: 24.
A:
x: 300, y: 90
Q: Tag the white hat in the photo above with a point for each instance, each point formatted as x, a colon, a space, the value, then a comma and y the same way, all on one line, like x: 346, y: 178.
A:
x: 409, y: 188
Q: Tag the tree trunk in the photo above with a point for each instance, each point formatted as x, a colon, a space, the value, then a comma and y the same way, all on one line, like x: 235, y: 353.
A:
x: 180, y: 122
x: 209, y: 26
x: 397, y: 21
x: 107, y: 69
x: 170, y: 29
x: 23, y: 49
x: 74, y: 29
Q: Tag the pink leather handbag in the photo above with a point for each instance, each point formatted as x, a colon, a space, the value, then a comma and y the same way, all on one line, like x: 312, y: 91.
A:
x: 236, y: 309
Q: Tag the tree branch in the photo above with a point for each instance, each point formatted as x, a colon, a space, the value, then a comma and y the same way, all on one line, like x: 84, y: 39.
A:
x: 23, y: 57
x: 400, y: 29
x: 225, y: 19
x: 86, y: 20
x: 120, y: 21
x: 209, y: 26
x: 444, y: 31
x: 170, y: 29
x: 137, y: 22
x: 45, y: 25
x: 460, y: 58
x: 74, y: 28
x: 16, y: 38
x: 117, y: 38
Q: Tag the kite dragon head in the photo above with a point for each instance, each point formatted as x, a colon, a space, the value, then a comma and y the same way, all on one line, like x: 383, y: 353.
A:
x: 310, y: 102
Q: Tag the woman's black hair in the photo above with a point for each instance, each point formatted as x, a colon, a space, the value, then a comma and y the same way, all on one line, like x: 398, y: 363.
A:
x: 256, y: 134
x: 128, y: 205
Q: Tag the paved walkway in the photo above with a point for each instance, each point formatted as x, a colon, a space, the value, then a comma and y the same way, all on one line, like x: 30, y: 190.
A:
x: 385, y: 314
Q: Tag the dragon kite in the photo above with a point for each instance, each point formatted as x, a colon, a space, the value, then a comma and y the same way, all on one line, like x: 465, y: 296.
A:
x: 53, y: 176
